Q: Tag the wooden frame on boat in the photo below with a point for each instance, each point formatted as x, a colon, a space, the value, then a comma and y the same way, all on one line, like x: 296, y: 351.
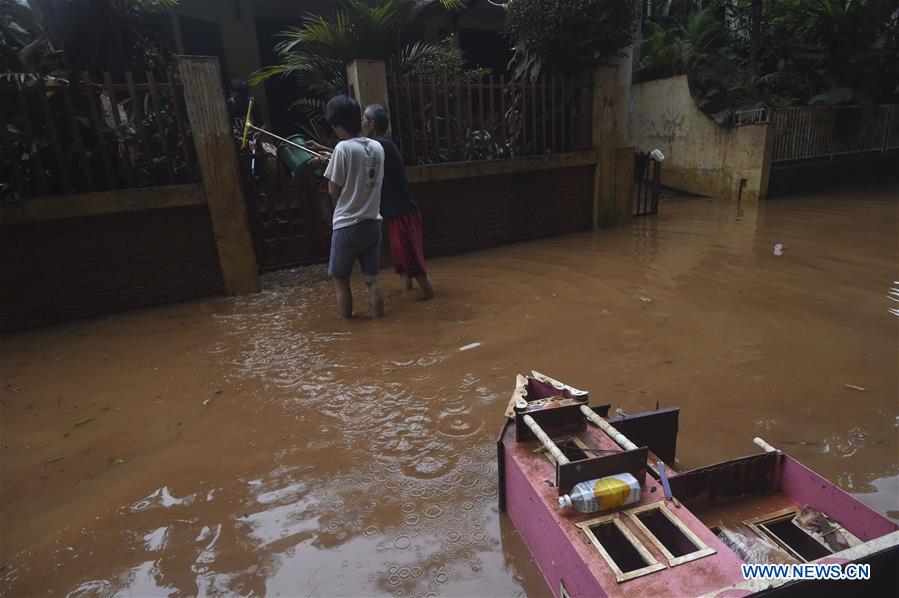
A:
x: 652, y: 565
x: 673, y: 561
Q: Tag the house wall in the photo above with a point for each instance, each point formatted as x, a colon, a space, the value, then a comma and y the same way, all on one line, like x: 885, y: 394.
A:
x: 74, y: 257
x: 468, y: 206
x: 236, y: 22
x: 700, y: 156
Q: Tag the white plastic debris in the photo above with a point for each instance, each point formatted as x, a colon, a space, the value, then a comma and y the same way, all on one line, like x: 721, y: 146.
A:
x: 657, y: 155
x: 471, y: 346
x: 778, y: 249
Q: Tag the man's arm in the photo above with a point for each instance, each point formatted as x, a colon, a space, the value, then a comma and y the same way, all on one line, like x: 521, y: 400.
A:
x: 334, y: 191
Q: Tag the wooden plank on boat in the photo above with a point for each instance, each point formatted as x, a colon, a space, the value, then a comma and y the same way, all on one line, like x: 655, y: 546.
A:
x: 651, y: 564
x: 701, y: 548
x: 557, y: 416
x: 654, y: 429
x: 632, y: 462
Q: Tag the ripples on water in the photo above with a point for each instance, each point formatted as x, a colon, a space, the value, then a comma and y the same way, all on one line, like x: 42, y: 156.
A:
x: 370, y: 464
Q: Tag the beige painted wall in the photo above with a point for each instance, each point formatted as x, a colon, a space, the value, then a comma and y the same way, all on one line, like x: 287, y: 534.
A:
x: 700, y: 156
x: 238, y: 30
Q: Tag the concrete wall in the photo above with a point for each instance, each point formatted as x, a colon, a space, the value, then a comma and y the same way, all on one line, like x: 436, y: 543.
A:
x: 700, y: 156
x: 96, y: 261
x: 468, y: 206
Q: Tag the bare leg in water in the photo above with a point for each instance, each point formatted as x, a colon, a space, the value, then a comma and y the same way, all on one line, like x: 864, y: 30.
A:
x: 344, y: 297
x: 425, y: 283
x: 374, y: 296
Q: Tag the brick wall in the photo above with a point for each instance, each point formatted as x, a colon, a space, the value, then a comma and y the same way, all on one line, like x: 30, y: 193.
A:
x: 57, y: 270
x: 471, y: 213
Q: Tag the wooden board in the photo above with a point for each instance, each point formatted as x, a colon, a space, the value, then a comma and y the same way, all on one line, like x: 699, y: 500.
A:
x: 632, y: 462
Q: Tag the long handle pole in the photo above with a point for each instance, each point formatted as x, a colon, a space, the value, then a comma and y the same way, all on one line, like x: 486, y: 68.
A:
x: 610, y: 430
x: 548, y: 444
x: 287, y: 141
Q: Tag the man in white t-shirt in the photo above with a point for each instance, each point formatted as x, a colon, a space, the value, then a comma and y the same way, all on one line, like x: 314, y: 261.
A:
x: 355, y: 173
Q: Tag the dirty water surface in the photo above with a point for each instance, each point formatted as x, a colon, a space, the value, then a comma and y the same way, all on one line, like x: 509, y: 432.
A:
x: 257, y: 445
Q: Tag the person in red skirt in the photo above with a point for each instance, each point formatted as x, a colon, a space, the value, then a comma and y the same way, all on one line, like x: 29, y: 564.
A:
x: 399, y: 210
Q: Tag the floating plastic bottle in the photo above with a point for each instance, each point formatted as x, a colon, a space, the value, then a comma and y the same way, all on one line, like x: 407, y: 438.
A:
x: 602, y: 494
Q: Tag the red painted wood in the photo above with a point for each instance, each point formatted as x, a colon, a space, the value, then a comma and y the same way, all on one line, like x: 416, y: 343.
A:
x: 422, y: 117
x: 182, y: 131
x: 137, y: 117
x: 807, y: 487
x: 114, y: 108
x: 98, y: 130
x: 79, y: 140
x: 160, y: 127
x: 40, y: 172
x: 62, y: 166
x: 435, y: 122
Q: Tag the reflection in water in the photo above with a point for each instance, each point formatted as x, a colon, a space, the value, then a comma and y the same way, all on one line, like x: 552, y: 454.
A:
x: 258, y: 446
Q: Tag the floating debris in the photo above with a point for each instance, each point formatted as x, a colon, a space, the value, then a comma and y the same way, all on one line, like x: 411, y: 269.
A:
x: 646, y: 299
x: 54, y: 460
x: 471, y: 346
x: 854, y: 387
x: 81, y: 422
x: 206, y: 402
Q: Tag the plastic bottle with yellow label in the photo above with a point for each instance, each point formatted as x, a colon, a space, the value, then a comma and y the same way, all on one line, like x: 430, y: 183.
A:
x: 606, y: 493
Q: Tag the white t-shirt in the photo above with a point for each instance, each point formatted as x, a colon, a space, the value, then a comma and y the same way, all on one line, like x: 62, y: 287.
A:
x: 357, y: 165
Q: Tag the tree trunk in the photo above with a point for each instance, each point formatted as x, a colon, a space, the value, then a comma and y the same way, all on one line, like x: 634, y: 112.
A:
x: 756, y: 16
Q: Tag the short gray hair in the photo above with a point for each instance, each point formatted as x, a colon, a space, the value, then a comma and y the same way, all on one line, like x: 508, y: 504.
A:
x: 378, y: 114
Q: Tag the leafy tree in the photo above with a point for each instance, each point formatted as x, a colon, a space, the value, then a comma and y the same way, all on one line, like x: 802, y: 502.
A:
x: 808, y: 51
x: 567, y: 36
x: 53, y: 36
x: 316, y: 54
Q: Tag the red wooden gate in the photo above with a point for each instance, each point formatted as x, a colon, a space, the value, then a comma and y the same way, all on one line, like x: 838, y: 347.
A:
x: 289, y: 217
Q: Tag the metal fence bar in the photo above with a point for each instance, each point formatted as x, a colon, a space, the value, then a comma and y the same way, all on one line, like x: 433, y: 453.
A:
x: 461, y: 133
x: 41, y: 173
x: 9, y: 151
x: 422, y: 117
x: 543, y: 114
x: 435, y: 123
x: 79, y: 140
x: 812, y: 132
x: 61, y: 165
x: 137, y: 114
x: 98, y: 130
x: 502, y: 107
x: 114, y: 108
x: 176, y: 105
x: 160, y: 128
x: 447, y: 117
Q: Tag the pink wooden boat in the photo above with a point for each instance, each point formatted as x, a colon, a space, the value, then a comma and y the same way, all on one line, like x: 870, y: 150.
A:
x: 763, y: 508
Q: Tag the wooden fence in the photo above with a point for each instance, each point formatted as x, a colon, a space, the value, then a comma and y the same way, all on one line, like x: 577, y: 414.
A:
x: 63, y: 137
x: 454, y: 119
x: 824, y: 132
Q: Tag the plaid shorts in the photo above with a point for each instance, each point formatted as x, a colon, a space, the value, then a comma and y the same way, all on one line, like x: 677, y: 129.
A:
x: 362, y: 242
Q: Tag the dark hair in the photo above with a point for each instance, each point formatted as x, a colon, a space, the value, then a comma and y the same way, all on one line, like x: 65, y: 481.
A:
x: 343, y: 111
x: 378, y: 114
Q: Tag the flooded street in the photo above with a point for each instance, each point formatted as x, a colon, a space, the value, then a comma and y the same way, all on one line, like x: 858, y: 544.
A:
x: 259, y: 446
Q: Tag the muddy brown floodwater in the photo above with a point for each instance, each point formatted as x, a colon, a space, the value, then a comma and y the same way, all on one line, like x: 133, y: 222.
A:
x: 259, y: 446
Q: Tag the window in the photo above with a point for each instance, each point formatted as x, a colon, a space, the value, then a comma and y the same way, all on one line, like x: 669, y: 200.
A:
x: 669, y: 534
x: 782, y: 528
x: 621, y: 550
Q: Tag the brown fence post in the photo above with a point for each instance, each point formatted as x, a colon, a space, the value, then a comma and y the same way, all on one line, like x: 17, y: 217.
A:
x: 624, y: 185
x: 214, y: 142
